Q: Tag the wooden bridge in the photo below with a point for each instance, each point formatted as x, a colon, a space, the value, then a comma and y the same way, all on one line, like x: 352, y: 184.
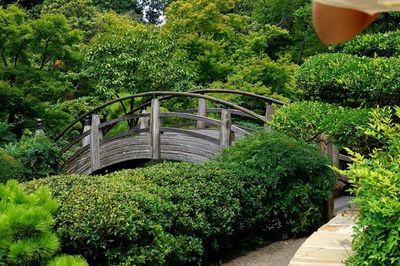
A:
x: 203, y: 134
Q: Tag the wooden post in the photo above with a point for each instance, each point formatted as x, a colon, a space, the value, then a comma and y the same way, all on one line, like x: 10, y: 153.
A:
x: 144, y: 121
x: 155, y: 124
x: 327, y: 148
x: 269, y: 112
x: 86, y: 128
x: 202, y: 112
x: 95, y: 137
x: 225, y: 130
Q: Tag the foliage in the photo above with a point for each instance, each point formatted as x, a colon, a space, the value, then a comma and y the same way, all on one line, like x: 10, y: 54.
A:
x: 10, y: 168
x: 38, y: 154
x: 377, y: 188
x: 138, y: 60
x: 26, y: 226
x: 80, y: 13
x: 6, y: 135
x: 307, y: 120
x: 182, y: 213
x: 351, y: 80
x: 68, y: 261
x: 222, y: 43
x: 29, y: 72
x: 373, y: 45
x: 286, y: 182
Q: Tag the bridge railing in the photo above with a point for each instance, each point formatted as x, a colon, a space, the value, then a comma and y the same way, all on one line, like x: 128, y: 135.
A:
x: 151, y: 123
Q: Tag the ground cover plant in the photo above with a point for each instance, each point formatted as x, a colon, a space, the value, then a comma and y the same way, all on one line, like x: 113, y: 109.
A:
x: 377, y: 189
x: 182, y: 213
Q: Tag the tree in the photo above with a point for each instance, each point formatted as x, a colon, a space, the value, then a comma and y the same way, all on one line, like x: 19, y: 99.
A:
x: 138, y: 60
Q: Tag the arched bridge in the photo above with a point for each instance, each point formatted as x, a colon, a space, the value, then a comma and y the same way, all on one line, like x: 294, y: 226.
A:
x: 192, y: 135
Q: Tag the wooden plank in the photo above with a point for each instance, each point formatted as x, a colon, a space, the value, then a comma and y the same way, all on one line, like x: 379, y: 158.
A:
x: 225, y: 129
x: 95, y: 136
x: 190, y: 133
x: 155, y: 125
x: 202, y: 112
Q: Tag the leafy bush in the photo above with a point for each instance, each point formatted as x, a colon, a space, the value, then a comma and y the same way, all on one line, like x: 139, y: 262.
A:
x: 38, y: 154
x: 351, y: 80
x: 377, y: 188
x: 372, y: 45
x: 26, y: 226
x: 285, y: 182
x: 6, y: 135
x: 10, y: 168
x: 182, y: 213
x: 307, y: 120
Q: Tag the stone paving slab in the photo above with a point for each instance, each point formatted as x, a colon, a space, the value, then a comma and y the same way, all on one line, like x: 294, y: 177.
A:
x: 330, y: 245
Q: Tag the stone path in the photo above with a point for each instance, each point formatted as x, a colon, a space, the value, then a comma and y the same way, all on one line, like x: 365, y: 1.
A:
x: 331, y: 241
x: 330, y: 245
x: 275, y: 254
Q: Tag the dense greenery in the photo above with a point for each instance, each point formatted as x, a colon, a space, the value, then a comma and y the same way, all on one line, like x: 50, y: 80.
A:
x: 10, y: 168
x: 38, y: 155
x: 60, y: 58
x: 377, y: 187
x: 308, y: 120
x: 181, y: 213
x: 351, y: 80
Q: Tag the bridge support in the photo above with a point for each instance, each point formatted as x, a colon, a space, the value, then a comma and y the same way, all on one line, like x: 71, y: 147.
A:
x: 328, y: 148
x: 95, y: 137
x: 269, y: 112
x: 202, y: 112
x: 225, y: 130
x: 155, y: 125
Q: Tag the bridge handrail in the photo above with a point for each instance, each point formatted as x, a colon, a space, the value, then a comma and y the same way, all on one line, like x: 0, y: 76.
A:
x: 171, y: 94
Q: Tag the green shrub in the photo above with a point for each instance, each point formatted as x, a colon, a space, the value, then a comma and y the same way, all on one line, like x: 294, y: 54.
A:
x: 38, y: 154
x: 6, y: 135
x: 26, y: 225
x: 182, y: 213
x: 307, y: 120
x: 10, y: 168
x: 129, y: 218
x: 372, y: 45
x: 377, y: 187
x: 285, y: 182
x: 351, y: 80
x: 68, y: 261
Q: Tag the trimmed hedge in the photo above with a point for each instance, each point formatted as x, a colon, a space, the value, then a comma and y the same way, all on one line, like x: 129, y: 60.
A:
x: 351, y: 80
x: 373, y: 45
x: 182, y: 213
x: 377, y: 188
x: 307, y: 120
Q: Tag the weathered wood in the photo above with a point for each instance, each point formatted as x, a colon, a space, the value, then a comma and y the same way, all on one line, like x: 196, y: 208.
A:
x: 269, y: 112
x: 190, y: 133
x: 327, y: 148
x: 155, y: 125
x: 144, y: 120
x: 218, y: 111
x: 225, y: 129
x: 202, y: 112
x: 95, y: 137
x: 86, y: 128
